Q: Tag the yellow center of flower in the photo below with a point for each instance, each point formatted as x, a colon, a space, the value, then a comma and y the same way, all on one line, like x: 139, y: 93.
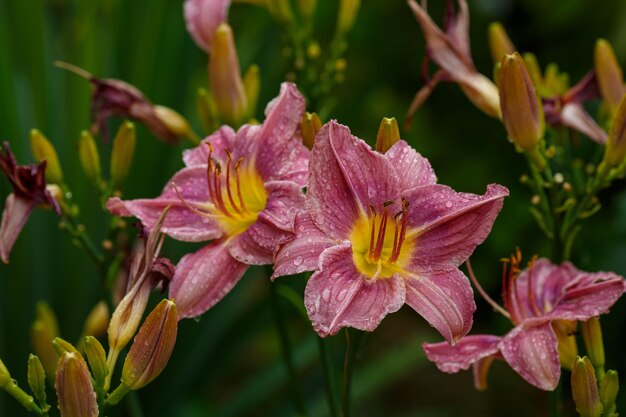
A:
x: 379, y: 245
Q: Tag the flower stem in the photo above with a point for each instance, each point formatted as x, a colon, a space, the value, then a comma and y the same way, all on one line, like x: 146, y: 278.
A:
x: 330, y: 380
x: 285, y: 344
x: 353, y: 345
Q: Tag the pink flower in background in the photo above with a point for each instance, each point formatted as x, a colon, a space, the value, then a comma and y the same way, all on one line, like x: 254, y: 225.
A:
x: 202, y: 18
x: 379, y: 232
x: 29, y: 191
x: 540, y: 294
x: 242, y: 191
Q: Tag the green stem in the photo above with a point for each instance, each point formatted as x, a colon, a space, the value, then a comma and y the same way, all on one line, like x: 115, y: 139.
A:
x: 330, y: 381
x: 117, y: 395
x: 27, y: 401
x: 353, y: 345
x: 287, y: 354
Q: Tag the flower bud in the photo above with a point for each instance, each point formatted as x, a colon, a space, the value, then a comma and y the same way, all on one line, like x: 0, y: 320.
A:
x: 521, y: 111
x: 585, y: 389
x: 592, y: 336
x: 534, y: 71
x: 309, y: 126
x: 89, y: 157
x: 225, y: 78
x: 609, y: 387
x: 97, y: 361
x: 499, y: 42
x: 43, y: 150
x: 175, y: 123
x: 5, y: 376
x: 122, y: 153
x: 388, y: 134
x: 348, y: 10
x: 37, y: 378
x: 615, y: 150
x: 608, y: 74
x: 152, y: 346
x: 97, y: 321
x: 565, y: 331
x: 252, y: 87
x: 44, y: 329
x: 62, y: 346
x: 205, y: 105
x: 74, y: 390
x: 202, y: 17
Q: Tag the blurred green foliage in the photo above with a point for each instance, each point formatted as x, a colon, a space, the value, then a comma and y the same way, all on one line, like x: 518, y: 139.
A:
x: 228, y: 364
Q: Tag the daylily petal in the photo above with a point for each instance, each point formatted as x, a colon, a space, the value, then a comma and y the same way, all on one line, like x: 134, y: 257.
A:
x: 446, y: 226
x: 347, y: 177
x: 532, y: 353
x: 14, y: 217
x: 181, y: 223
x: 285, y: 198
x: 573, y: 115
x: 338, y: 295
x: 458, y: 27
x: 302, y: 253
x: 202, y: 18
x: 299, y: 171
x: 445, y: 300
x: 203, y: 278
x: 413, y: 169
x: 222, y: 139
x: 467, y: 351
x: 591, y: 295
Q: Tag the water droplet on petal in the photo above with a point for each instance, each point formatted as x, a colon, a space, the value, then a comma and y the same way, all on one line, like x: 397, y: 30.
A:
x: 326, y: 295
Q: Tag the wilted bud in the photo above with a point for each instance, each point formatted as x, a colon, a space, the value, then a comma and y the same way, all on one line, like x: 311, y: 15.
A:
x: 521, y: 111
x: 309, y: 126
x: 205, y: 105
x: 609, y: 387
x: 615, y: 151
x: 5, y: 376
x: 37, y: 378
x: 97, y: 361
x: 585, y: 389
x: 592, y: 336
x: 97, y: 321
x: 608, y: 74
x: 252, y: 87
x: 388, y: 134
x: 44, y: 329
x: 43, y: 150
x: 281, y: 10
x: 348, y: 9
x: 62, y: 346
x: 152, y: 346
x: 89, y: 157
x: 568, y: 349
x: 122, y: 153
x: 499, y: 42
x: 74, y: 390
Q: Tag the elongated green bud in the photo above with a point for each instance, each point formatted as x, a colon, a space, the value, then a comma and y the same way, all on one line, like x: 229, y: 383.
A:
x: 565, y: 331
x: 76, y: 395
x: 499, y: 42
x: 534, y: 71
x: 96, y: 357
x: 37, y: 378
x: 122, y: 153
x: 90, y: 157
x: 348, y: 9
x: 97, y: 321
x: 175, y: 123
x: 609, y: 387
x: 152, y: 347
x: 609, y: 74
x: 615, y: 151
x: 592, y: 336
x: 252, y: 87
x: 207, y: 112
x: 309, y: 126
x: 585, y: 389
x: 522, y: 113
x: 43, y: 150
x: 388, y: 134
x: 5, y: 376
x: 44, y: 329
x: 63, y: 346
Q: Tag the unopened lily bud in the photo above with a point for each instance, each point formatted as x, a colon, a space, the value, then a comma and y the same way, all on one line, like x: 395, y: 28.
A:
x: 44, y: 329
x: 97, y: 321
x: 5, y: 376
x: 252, y: 87
x: 499, y: 42
x: 348, y: 9
x: 555, y: 82
x: 568, y: 349
x: 309, y: 126
x: 615, y: 150
x: 534, y: 70
x: 89, y: 157
x: 207, y: 112
x: 585, y: 389
x: 176, y: 123
x: 37, y: 378
x: 62, y: 346
x: 388, y: 134
x: 609, y: 387
x: 608, y: 74
x: 225, y: 78
x: 76, y: 395
x: 122, y: 153
x: 592, y: 336
x: 43, y: 150
x: 152, y: 347
x: 202, y: 17
x: 96, y: 357
x: 522, y: 113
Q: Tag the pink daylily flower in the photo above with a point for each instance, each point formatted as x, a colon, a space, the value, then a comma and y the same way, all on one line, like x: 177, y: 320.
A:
x: 241, y: 191
x: 379, y: 232
x: 540, y: 294
x: 202, y: 17
x: 29, y: 191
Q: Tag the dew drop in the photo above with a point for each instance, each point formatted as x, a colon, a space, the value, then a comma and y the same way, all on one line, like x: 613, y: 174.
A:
x: 448, y: 204
x: 298, y: 261
x: 326, y: 295
x: 371, y: 191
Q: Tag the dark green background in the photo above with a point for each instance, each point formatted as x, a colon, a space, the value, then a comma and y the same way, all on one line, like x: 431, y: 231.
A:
x: 228, y: 364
